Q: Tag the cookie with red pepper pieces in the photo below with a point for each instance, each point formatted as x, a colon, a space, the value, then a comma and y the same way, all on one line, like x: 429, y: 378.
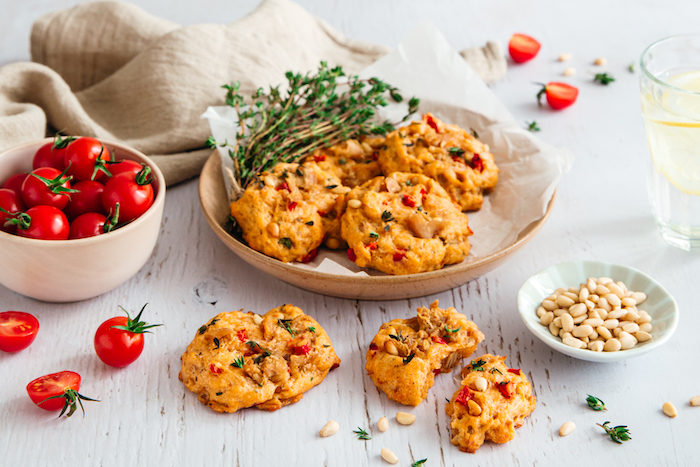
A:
x: 240, y: 360
x: 354, y: 161
x: 290, y: 210
x: 406, y: 354
x: 456, y: 159
x: 404, y: 224
x: 491, y: 409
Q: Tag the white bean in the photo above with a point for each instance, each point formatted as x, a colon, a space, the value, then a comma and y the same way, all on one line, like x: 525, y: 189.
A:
x: 627, y: 342
x: 616, y: 332
x: 594, y: 298
x: 554, y: 329
x: 596, y: 346
x: 605, y: 332
x: 577, y: 310
x: 329, y: 429
x: 603, y: 303
x: 580, y: 319
x: 603, y: 313
x: 639, y: 297
x: 670, y: 410
x: 589, y: 305
x: 593, y: 314
x: 405, y: 418
x: 614, y: 288
x: 632, y: 316
x: 559, y: 311
x: 257, y: 319
x: 695, y: 401
x: 573, y: 342
x: 549, y: 305
x: 354, y: 203
x: 567, y: 428
x: 571, y: 295
x: 645, y: 327
x: 480, y: 383
x: 631, y: 327
x: 583, y: 295
x: 642, y: 336
x: 629, y: 301
x: 389, y: 456
x: 563, y: 334
x: 383, y: 424
x: 612, y: 345
x: 613, y: 299
x: 567, y: 322
x: 564, y: 301
x: 573, y: 290
x: 541, y: 311
x: 557, y: 320
x: 591, y: 285
x: 594, y: 322
x: 617, y: 314
x: 547, y: 318
x: 559, y: 291
x: 582, y: 331
x: 622, y: 285
x: 593, y: 336
x: 601, y: 290
x: 603, y: 280
x: 643, y: 317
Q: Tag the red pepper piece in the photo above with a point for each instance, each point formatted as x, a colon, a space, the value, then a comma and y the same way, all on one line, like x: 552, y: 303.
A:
x: 373, y: 346
x: 302, y: 349
x: 515, y: 371
x: 399, y: 255
x: 477, y: 164
x: 322, y: 213
x: 248, y: 354
x: 292, y: 205
x: 437, y: 371
x: 283, y: 186
x: 351, y: 255
x: 506, y: 388
x: 432, y: 123
x: 457, y: 159
x: 335, y: 365
x: 310, y: 257
x: 214, y: 369
x: 372, y: 246
x: 242, y: 335
x: 320, y: 157
x: 464, y: 395
x: 408, y: 201
x: 438, y: 340
x: 375, y: 156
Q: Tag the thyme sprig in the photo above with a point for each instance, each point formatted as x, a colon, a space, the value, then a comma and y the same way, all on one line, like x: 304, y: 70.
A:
x: 618, y: 433
x: 286, y: 324
x: 317, y: 110
x: 419, y: 463
x: 362, y: 434
x: 478, y: 365
x: 238, y: 362
x: 603, y: 78
x: 595, y: 403
x: 532, y: 126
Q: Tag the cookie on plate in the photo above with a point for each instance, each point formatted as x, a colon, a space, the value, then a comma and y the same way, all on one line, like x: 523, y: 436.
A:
x: 289, y: 212
x: 404, y: 224
x: 354, y: 161
x: 492, y: 402
x: 447, y: 153
x: 240, y: 360
x: 406, y: 354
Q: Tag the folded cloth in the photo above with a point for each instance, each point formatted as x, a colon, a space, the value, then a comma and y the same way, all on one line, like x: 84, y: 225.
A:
x: 144, y: 81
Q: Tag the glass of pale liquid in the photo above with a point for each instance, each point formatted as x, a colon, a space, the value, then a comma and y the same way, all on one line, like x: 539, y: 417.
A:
x: 670, y: 87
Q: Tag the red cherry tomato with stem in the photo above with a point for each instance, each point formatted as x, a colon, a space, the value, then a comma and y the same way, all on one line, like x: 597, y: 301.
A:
x: 42, y: 222
x: 559, y: 95
x: 92, y: 224
x: 523, y: 48
x: 125, y: 166
x: 58, y: 390
x: 119, y: 340
x: 132, y: 191
x: 87, y: 199
x: 46, y: 186
x: 85, y: 158
x: 17, y: 330
x: 52, y: 154
x: 15, y: 182
x: 10, y: 202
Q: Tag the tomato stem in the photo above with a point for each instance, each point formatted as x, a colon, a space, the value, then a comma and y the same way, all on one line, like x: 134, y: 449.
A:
x: 71, y: 396
x: 144, y: 177
x: 55, y: 185
x: 101, y: 165
x: 135, y: 326
x: 112, y: 221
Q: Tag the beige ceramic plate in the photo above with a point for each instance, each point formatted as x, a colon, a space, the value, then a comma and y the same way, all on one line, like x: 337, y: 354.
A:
x: 213, y: 198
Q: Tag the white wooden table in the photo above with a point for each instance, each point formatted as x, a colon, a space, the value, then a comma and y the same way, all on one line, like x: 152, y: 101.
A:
x: 147, y: 417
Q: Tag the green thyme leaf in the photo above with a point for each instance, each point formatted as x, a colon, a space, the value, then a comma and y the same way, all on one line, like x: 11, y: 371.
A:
x: 419, y: 463
x: 286, y: 241
x: 216, y: 343
x: 387, y: 216
x: 595, y: 403
x: 312, y: 329
x: 362, y: 434
x: 455, y: 151
x: 286, y: 324
x: 603, y: 78
x: 452, y: 330
x: 408, y: 359
x: 618, y: 434
x: 478, y: 365
x: 532, y: 126
x: 238, y: 362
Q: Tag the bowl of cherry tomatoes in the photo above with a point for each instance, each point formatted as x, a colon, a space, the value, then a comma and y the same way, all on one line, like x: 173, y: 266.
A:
x: 78, y: 216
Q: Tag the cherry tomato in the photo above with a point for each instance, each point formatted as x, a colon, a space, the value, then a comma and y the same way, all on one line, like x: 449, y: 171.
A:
x: 523, y: 48
x: 85, y: 158
x: 119, y: 340
x: 11, y: 202
x: 86, y: 225
x: 125, y: 166
x: 61, y: 390
x: 132, y: 191
x: 17, y: 330
x: 46, y: 186
x: 14, y: 183
x: 43, y: 222
x: 52, y: 154
x: 559, y: 95
x: 87, y: 199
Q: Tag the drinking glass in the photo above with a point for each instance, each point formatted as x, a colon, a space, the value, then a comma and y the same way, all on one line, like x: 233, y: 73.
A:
x: 670, y: 90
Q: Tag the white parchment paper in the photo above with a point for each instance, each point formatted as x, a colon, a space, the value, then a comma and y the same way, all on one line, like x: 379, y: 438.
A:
x: 425, y: 66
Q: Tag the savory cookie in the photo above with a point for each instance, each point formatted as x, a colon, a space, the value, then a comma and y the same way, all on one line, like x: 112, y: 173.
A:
x: 354, y: 161
x: 404, y: 224
x: 290, y: 211
x: 447, y: 153
x: 406, y: 354
x: 240, y: 360
x: 490, y: 409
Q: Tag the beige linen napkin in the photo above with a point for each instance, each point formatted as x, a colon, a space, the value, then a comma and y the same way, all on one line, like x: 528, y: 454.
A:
x: 144, y: 81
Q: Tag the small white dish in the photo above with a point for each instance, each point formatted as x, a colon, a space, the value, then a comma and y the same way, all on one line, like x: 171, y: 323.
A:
x: 660, y: 305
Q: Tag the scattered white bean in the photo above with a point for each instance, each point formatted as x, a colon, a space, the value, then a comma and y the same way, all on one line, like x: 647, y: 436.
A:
x: 354, y: 203
x: 383, y: 424
x: 405, y: 418
x: 329, y: 429
x: 670, y: 410
x: 567, y: 428
x: 257, y: 319
x: 569, y: 71
x: 389, y: 456
x: 695, y: 401
x: 481, y: 384
x: 565, y: 57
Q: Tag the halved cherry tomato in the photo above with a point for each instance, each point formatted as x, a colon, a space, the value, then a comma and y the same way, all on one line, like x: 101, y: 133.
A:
x: 17, y: 330
x: 559, y: 95
x: 51, y: 154
x: 56, y: 391
x: 85, y: 159
x: 46, y: 186
x: 132, y: 191
x: 43, y: 222
x: 523, y: 48
x: 14, y: 183
x: 88, y: 199
x: 11, y: 202
x: 119, y: 340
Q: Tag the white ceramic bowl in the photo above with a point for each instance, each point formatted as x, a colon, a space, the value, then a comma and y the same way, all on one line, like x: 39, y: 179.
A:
x: 659, y: 304
x: 72, y: 270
